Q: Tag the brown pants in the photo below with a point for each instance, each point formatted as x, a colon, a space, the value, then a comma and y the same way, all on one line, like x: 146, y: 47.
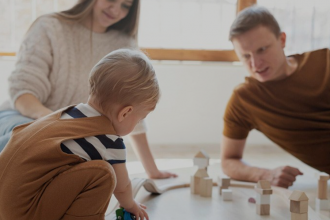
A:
x: 81, y: 193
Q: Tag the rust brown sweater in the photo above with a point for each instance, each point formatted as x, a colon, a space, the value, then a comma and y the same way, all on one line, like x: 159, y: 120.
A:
x: 33, y: 157
x: 293, y: 112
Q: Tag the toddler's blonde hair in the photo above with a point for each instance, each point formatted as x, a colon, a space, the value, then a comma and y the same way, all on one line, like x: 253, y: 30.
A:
x: 124, y: 77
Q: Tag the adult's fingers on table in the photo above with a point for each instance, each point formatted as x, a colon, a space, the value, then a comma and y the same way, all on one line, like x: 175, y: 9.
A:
x: 287, y: 176
x: 292, y: 170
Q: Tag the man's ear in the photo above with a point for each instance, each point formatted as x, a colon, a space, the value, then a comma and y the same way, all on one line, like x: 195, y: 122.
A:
x: 283, y: 39
x: 124, y: 113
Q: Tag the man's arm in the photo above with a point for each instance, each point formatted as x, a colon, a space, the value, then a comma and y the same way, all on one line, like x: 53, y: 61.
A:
x: 141, y: 148
x: 233, y: 166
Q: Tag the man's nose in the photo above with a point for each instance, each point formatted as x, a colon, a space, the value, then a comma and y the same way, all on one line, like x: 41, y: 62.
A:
x: 256, y: 63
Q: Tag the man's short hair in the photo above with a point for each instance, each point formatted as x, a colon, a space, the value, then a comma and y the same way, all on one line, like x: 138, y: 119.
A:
x: 253, y: 17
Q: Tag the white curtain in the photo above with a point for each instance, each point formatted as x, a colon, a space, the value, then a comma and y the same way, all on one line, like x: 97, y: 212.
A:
x: 186, y: 24
x: 16, y: 16
x: 306, y: 23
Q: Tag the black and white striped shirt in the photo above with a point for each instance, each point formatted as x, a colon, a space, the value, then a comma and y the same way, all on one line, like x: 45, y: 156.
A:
x: 110, y: 148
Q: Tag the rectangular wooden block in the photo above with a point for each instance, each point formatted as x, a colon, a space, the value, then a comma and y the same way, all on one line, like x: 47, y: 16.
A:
x: 206, y: 185
x: 299, y: 206
x: 263, y: 209
x: 322, y: 204
x: 322, y: 189
x: 264, y: 191
x: 227, y: 195
x: 194, y: 185
x: 224, y: 182
x: 262, y: 199
x: 297, y: 216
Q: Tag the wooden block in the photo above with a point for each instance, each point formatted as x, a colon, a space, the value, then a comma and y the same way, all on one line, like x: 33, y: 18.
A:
x: 322, y: 176
x: 322, y: 190
x: 224, y: 181
x: 297, y: 216
x: 263, y: 209
x: 202, y: 163
x: 194, y: 185
x: 227, y: 195
x: 263, y: 184
x: 262, y: 199
x: 298, y: 196
x: 222, y: 188
x: 206, y: 185
x: 299, y: 206
x: 322, y: 204
x: 264, y: 191
x: 201, y: 173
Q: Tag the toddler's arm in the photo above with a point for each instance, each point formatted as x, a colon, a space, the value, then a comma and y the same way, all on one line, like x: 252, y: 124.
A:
x: 123, y: 193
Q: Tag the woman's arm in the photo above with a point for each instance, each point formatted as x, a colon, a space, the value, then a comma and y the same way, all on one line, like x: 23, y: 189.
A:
x: 29, y: 84
x: 29, y: 106
x: 141, y: 147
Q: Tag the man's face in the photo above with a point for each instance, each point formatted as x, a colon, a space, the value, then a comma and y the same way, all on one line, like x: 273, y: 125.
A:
x: 262, y: 53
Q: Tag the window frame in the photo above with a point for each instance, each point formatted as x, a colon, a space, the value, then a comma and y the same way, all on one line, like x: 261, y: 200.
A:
x: 188, y: 55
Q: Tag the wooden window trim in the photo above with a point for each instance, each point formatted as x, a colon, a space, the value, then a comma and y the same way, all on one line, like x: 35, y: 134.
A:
x: 199, y: 55
x: 193, y: 55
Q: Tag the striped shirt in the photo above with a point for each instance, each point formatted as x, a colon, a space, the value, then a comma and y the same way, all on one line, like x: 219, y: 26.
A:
x: 110, y: 148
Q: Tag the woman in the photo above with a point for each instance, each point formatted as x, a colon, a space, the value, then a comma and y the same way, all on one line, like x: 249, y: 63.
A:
x: 55, y: 59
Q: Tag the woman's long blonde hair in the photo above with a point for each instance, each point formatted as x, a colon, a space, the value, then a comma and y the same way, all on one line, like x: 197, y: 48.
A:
x: 84, y: 8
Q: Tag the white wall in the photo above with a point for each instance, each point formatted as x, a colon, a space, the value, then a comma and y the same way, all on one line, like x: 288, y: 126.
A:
x: 194, y: 96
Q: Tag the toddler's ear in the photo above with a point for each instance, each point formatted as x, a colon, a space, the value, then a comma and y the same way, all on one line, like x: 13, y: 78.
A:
x: 124, y: 113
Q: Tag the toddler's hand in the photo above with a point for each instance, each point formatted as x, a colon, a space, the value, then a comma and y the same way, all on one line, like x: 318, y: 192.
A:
x: 138, y: 210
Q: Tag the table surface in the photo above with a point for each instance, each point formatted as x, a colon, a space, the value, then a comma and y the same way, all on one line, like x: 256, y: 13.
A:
x: 181, y: 204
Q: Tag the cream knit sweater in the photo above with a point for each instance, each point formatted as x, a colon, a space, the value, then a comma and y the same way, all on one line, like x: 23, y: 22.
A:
x: 55, y: 59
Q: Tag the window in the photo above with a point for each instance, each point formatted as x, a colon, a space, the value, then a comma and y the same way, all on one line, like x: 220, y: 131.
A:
x: 306, y: 23
x: 169, y: 29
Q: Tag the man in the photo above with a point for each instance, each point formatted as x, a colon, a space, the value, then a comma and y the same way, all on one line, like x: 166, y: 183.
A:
x: 285, y: 98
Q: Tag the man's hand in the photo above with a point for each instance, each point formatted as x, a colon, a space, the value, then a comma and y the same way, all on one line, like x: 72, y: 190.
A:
x: 281, y: 176
x: 163, y: 175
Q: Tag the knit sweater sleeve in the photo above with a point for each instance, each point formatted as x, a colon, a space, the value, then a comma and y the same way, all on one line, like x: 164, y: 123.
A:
x: 34, y: 63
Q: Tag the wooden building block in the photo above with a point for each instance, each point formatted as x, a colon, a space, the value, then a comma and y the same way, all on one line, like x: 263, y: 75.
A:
x: 264, y: 191
x: 227, y: 195
x: 202, y: 163
x: 223, y: 181
x: 263, y: 187
x: 201, y: 173
x: 297, y: 216
x: 322, y: 192
x: 263, y: 209
x: 322, y: 176
x: 195, y: 180
x: 322, y: 204
x: 194, y: 185
x: 206, y: 185
x: 298, y: 196
x: 262, y: 199
x: 299, y: 206
x: 201, y: 159
x: 263, y: 184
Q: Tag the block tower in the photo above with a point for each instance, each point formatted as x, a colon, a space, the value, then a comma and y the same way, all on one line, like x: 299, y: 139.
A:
x: 298, y: 205
x: 264, y: 191
x: 223, y: 183
x: 200, y: 183
x: 322, y: 202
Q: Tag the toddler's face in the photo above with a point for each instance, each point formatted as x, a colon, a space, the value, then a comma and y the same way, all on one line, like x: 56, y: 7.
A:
x: 138, y: 113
